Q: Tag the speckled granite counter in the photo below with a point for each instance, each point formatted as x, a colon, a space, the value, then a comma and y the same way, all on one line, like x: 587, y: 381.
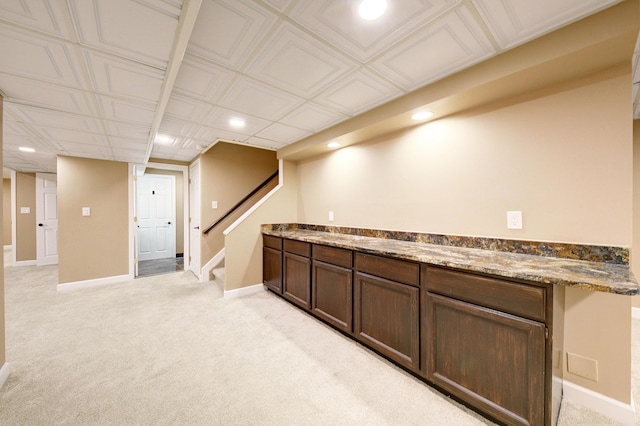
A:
x: 611, y: 274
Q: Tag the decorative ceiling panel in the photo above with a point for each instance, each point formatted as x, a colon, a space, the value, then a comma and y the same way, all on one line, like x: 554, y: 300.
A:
x: 126, y: 111
x: 35, y: 56
x: 514, y: 22
x: 298, y: 63
x: 338, y: 23
x: 47, y: 16
x: 187, y: 109
x: 282, y: 134
x: 312, y: 117
x: 117, y: 77
x: 450, y: 44
x: 209, y: 134
x: 59, y: 135
x: 263, y: 143
x: 259, y: 99
x: 202, y: 79
x: 142, y: 31
x: 236, y: 26
x: 280, y: 5
x: 220, y: 118
x: 39, y: 117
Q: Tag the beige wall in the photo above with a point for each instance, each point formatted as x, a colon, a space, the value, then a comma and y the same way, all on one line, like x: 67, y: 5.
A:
x: 6, y: 212
x: 635, y: 249
x: 3, y: 357
x: 563, y: 156
x: 26, y: 222
x: 229, y: 172
x: 96, y: 246
x: 179, y: 191
x: 243, y: 245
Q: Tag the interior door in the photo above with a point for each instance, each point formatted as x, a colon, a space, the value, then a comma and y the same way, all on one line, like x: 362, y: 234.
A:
x: 194, y: 220
x: 156, y: 217
x: 46, y: 219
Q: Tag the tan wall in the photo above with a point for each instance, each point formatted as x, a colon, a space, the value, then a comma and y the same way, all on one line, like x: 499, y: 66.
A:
x: 26, y: 222
x: 179, y: 190
x: 3, y: 357
x: 243, y: 245
x: 228, y: 173
x: 96, y: 246
x: 6, y: 212
x: 562, y: 155
x: 635, y: 249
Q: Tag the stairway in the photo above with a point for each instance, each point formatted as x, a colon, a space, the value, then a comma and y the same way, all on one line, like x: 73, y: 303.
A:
x: 217, y: 274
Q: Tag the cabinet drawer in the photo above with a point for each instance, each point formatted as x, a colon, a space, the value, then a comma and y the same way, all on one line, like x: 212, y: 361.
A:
x: 273, y: 242
x: 297, y: 247
x: 392, y: 269
x: 333, y: 255
x: 506, y: 296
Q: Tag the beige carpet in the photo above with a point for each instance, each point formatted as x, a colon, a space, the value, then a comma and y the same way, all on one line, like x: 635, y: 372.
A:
x: 168, y: 350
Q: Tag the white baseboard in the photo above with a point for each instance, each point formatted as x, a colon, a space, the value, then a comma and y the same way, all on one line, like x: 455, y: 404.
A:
x: 609, y: 407
x: 635, y: 313
x: 93, y: 283
x: 206, y: 269
x: 25, y: 263
x: 4, y: 374
x: 244, y: 291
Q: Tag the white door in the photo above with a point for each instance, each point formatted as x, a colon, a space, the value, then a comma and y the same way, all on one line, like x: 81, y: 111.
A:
x: 194, y: 219
x: 46, y: 219
x: 156, y: 216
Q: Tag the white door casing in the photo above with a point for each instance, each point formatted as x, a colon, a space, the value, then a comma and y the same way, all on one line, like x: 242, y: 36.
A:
x: 46, y: 219
x: 155, y: 211
x: 194, y: 219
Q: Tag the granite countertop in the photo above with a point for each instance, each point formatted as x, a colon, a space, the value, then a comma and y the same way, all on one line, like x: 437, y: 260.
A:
x: 589, y: 275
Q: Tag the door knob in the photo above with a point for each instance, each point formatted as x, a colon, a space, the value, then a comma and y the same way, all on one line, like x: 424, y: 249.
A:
x: 41, y: 224
x: 168, y: 223
x: 196, y: 227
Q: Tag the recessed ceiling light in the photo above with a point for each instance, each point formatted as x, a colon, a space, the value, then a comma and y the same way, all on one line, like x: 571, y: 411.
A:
x: 163, y: 139
x: 333, y: 144
x: 237, y: 122
x: 26, y: 149
x: 421, y: 115
x: 372, y: 9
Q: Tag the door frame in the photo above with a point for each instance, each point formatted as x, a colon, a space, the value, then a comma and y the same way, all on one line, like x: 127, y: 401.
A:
x: 133, y: 267
x: 196, y: 269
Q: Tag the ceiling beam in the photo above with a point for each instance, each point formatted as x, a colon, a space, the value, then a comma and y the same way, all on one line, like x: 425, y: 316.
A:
x: 187, y: 21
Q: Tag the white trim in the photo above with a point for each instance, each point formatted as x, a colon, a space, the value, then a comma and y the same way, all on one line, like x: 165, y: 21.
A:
x: 14, y: 204
x: 93, y: 283
x: 244, y: 291
x: 133, y: 267
x: 609, y: 407
x: 260, y: 202
x: 4, y: 374
x: 206, y: 269
x: 25, y: 263
x: 635, y: 313
x: 8, y: 247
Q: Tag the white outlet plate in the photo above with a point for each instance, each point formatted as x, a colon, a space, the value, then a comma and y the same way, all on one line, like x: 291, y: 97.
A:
x: 214, y: 204
x: 330, y: 216
x: 514, y: 220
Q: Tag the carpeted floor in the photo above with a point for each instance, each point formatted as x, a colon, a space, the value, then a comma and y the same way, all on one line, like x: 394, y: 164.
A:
x: 168, y: 350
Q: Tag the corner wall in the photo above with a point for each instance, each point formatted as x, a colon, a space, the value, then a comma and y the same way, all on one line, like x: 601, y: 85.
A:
x: 97, y: 246
x: 6, y: 212
x: 26, y: 222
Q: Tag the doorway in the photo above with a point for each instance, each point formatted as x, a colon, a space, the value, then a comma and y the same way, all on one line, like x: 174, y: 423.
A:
x: 159, y: 207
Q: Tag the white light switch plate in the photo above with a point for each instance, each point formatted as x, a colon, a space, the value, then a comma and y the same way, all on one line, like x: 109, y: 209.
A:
x: 214, y: 204
x: 330, y: 216
x: 25, y: 210
x: 86, y: 211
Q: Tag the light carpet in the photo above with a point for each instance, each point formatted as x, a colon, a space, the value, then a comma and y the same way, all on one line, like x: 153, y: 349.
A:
x: 169, y: 350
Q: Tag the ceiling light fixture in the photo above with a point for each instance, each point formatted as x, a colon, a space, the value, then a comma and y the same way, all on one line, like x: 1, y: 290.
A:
x: 333, y: 144
x: 26, y: 149
x: 421, y: 115
x: 237, y: 122
x: 163, y: 139
x: 372, y: 9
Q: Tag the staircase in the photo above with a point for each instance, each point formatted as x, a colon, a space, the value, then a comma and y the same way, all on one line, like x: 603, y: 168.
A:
x: 217, y: 274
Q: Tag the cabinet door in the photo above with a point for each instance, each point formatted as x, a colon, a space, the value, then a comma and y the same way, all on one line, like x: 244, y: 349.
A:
x: 272, y: 269
x: 332, y: 288
x: 297, y: 279
x: 492, y: 360
x: 386, y: 318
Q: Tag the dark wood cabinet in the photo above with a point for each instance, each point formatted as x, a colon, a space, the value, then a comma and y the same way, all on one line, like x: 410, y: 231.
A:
x: 332, y: 295
x: 272, y: 263
x: 387, y: 319
x: 493, y: 360
x: 483, y: 339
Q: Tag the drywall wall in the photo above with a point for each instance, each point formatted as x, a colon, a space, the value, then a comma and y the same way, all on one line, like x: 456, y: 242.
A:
x: 228, y: 173
x: 6, y: 212
x: 25, y: 222
x: 243, y: 245
x: 96, y: 246
x: 635, y: 249
x: 3, y: 357
x: 179, y: 191
x: 563, y: 156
